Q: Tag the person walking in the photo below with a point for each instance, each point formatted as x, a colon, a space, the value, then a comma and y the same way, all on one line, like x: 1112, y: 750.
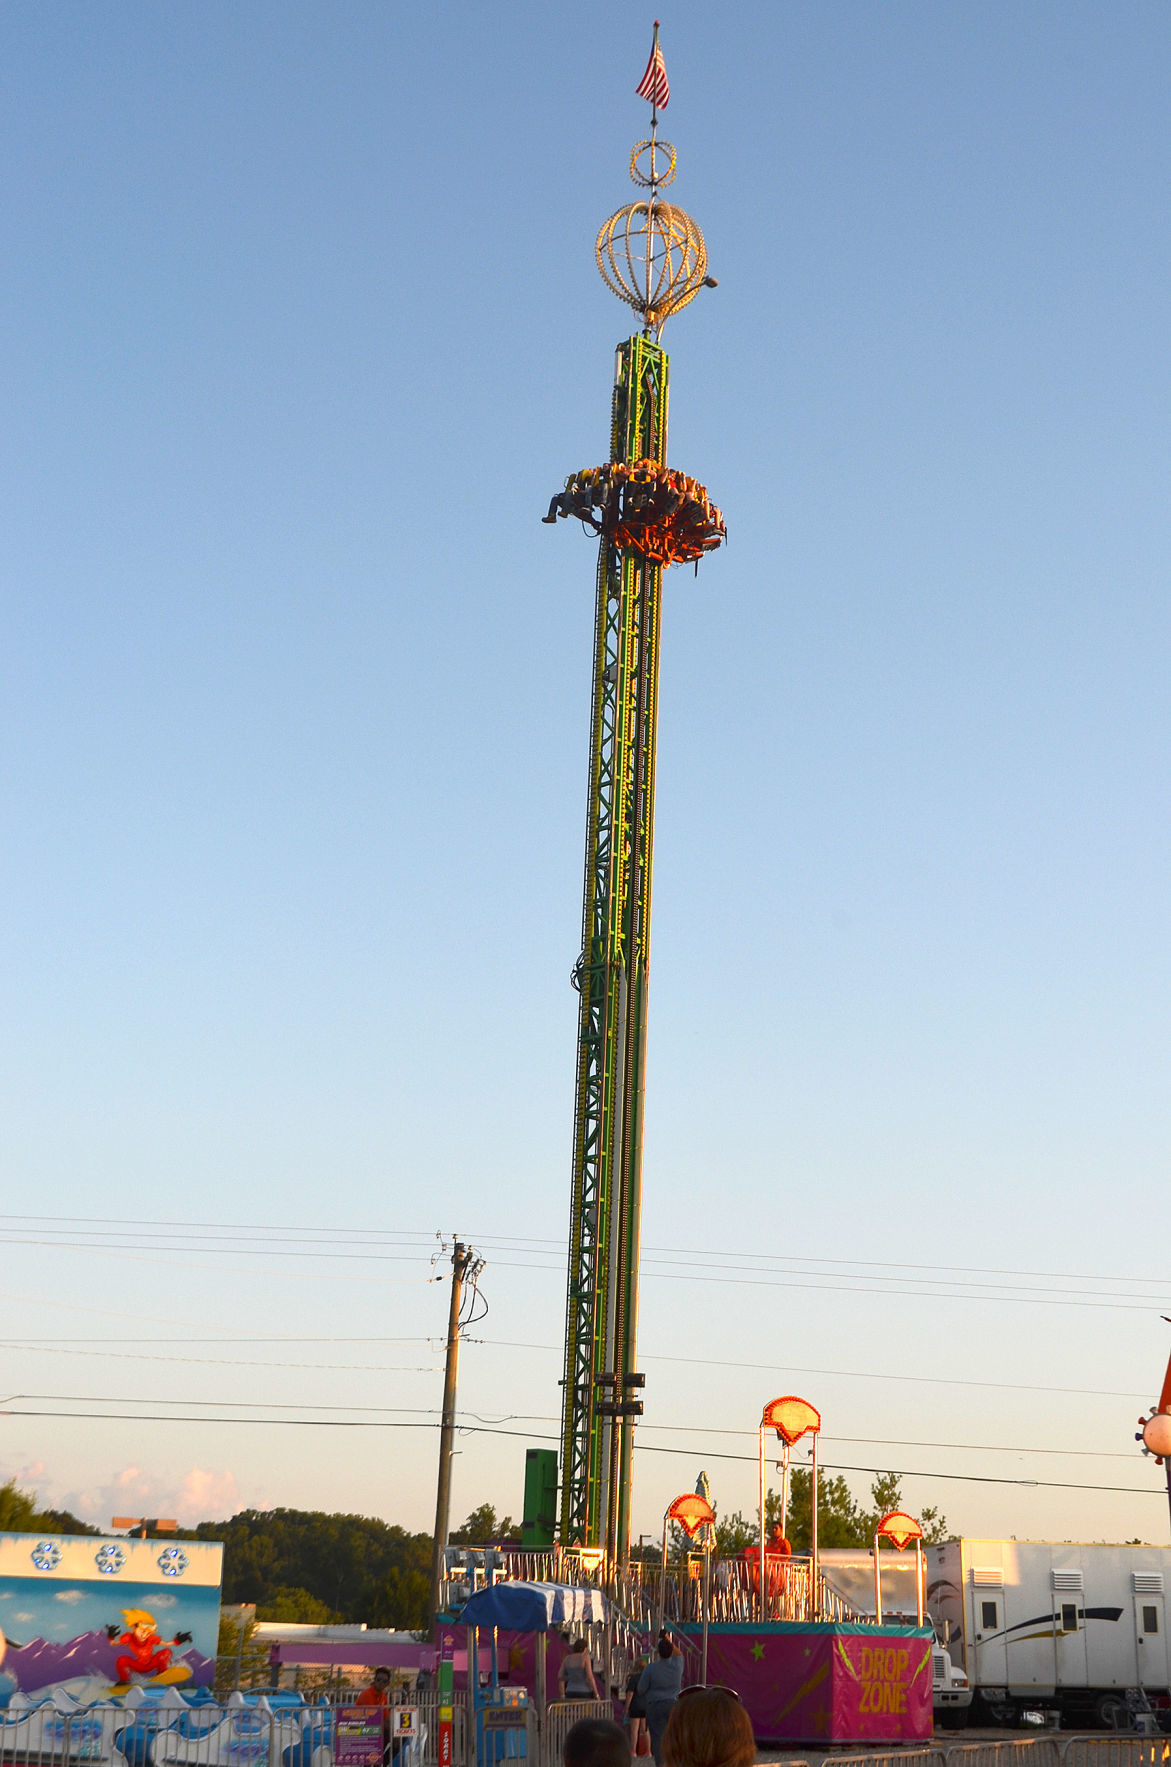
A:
x: 659, y: 1685
x: 575, y: 1678
x: 635, y: 1709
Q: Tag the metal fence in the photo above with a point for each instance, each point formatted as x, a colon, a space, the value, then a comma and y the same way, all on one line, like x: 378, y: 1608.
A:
x: 1039, y: 1751
x: 236, y: 1734
x: 559, y: 1721
x: 1115, y: 1751
x: 259, y: 1734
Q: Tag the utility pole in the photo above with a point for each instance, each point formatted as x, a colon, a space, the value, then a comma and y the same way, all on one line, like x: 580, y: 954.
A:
x: 463, y: 1264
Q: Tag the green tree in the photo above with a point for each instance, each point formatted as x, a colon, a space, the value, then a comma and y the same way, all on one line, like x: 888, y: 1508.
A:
x: 296, y: 1607
x: 482, y: 1526
x: 841, y: 1520
x: 734, y: 1533
x: 357, y: 1567
x: 20, y: 1514
x: 61, y: 1521
x: 240, y: 1661
x: 18, y: 1510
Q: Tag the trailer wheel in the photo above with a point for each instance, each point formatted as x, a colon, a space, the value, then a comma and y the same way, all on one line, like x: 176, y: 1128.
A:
x: 1110, y: 1711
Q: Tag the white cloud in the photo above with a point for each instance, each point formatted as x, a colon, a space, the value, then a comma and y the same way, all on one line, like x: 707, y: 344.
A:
x: 200, y: 1495
x: 173, y: 1600
x: 72, y: 1595
x: 207, y: 1495
x: 27, y: 1619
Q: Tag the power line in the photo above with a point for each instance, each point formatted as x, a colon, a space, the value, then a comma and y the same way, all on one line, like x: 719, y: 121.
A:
x: 543, y: 1417
x: 263, y: 1338
x: 102, y: 1226
x: 526, y: 1435
x: 72, y: 1347
x: 754, y: 1277
x: 784, y: 1369
x: 229, y: 1361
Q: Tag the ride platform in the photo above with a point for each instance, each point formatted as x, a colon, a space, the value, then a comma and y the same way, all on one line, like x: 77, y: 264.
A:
x: 825, y: 1682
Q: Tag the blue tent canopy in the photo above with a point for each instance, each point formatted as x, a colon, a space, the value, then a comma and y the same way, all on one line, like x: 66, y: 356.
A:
x: 533, y: 1607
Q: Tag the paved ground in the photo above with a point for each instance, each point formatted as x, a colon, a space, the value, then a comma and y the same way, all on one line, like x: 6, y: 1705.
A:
x: 942, y: 1739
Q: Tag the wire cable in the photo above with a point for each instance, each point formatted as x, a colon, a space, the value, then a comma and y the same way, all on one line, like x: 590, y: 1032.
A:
x: 526, y: 1435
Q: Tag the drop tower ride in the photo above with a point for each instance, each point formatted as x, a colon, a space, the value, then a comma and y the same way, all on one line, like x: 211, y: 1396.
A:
x: 652, y: 255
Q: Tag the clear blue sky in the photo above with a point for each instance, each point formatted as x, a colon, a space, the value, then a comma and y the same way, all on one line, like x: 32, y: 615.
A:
x: 301, y: 328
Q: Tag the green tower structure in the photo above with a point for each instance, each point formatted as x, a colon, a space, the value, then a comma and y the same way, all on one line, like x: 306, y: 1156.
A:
x: 653, y: 256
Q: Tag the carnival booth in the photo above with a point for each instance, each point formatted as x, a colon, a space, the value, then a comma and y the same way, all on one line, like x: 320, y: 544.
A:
x: 505, y: 1716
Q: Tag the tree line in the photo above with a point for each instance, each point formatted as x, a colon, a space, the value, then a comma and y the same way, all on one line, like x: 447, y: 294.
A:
x: 306, y: 1565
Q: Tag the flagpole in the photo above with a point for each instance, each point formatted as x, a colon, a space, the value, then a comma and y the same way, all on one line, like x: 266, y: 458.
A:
x: 650, y: 212
x: 654, y: 89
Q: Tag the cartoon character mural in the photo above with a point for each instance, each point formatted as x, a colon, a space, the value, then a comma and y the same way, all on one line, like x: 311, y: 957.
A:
x: 143, y: 1652
x: 55, y: 1595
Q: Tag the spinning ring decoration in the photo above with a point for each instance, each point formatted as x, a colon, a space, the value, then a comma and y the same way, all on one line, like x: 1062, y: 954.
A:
x: 663, y: 516
x: 653, y: 164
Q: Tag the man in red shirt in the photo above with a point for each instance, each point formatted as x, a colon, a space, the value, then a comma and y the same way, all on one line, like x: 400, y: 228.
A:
x: 378, y: 1694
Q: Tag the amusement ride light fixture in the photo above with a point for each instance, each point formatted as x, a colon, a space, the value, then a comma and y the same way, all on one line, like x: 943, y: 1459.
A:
x: 900, y: 1529
x: 791, y: 1418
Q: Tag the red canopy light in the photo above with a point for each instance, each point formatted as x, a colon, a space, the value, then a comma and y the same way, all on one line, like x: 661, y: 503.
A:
x: 899, y: 1527
x: 791, y: 1417
x: 691, y: 1512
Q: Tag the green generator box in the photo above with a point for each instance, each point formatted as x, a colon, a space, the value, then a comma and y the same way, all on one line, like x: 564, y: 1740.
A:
x: 540, y: 1511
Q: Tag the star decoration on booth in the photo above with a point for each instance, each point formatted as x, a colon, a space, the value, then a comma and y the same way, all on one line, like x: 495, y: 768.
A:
x: 757, y: 1651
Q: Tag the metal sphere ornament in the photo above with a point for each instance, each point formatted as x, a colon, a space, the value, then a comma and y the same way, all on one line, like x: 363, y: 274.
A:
x: 652, y: 255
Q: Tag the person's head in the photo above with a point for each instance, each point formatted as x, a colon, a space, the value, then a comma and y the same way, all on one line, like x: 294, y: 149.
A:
x: 579, y: 1645
x: 709, y: 1727
x: 666, y: 1648
x: 381, y: 1679
x: 596, y: 1742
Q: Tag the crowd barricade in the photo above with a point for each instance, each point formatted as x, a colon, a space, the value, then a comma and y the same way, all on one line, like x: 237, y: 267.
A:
x: 1038, y: 1751
x: 892, y: 1758
x: 1027, y: 1751
x: 560, y: 1717
x: 241, y: 1732
x: 1116, y: 1751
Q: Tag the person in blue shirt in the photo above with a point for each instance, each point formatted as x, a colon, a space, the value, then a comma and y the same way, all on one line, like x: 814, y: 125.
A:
x: 659, y: 1685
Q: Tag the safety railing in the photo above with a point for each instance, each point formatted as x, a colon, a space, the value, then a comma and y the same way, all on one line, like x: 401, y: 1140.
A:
x: 639, y: 1591
x: 205, y: 1734
x: 1114, y: 1751
x: 1029, y: 1751
x: 892, y: 1758
x: 560, y: 1718
x: 1038, y: 1751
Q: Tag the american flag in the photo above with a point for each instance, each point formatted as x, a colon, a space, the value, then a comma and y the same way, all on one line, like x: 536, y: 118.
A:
x: 653, y: 84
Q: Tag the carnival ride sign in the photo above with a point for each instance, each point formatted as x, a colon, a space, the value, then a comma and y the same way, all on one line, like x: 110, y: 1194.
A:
x: 95, y: 1617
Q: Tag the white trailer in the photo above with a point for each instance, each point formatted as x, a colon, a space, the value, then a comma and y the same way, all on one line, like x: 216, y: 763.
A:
x: 1050, y: 1624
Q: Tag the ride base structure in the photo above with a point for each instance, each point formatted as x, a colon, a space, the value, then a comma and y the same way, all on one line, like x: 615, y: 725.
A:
x: 804, y: 1680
